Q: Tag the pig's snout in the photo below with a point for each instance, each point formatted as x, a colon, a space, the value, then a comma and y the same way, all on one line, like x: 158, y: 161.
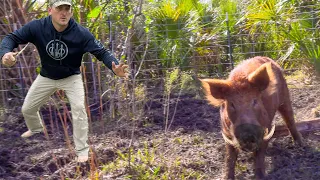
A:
x: 249, y: 136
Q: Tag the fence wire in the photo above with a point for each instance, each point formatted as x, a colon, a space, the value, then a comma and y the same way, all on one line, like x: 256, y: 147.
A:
x: 168, y: 49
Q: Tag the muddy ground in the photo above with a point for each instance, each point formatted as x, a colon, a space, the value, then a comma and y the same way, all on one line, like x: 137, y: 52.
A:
x: 192, y: 149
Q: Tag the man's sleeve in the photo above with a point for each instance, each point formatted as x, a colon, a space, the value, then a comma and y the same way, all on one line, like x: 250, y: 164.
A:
x: 96, y: 48
x: 20, y: 36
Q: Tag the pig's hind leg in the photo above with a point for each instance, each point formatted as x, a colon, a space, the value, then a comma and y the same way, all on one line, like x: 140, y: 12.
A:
x: 287, y: 114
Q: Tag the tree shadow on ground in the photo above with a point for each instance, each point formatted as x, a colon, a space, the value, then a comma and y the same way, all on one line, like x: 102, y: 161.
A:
x: 289, y: 161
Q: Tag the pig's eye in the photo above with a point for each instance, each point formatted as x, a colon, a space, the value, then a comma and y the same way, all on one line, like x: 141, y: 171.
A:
x: 222, y: 106
x: 255, y: 102
x: 232, y: 106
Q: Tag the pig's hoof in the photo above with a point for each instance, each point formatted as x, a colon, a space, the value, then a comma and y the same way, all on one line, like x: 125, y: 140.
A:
x: 299, y: 143
x: 259, y: 174
x: 226, y: 177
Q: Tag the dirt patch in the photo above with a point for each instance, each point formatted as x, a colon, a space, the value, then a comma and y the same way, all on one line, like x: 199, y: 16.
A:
x: 192, y: 149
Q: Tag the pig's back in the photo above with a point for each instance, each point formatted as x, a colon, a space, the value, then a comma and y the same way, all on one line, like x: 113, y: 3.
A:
x: 246, y: 67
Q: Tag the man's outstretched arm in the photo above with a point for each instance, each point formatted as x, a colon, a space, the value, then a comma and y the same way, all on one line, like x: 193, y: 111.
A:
x: 96, y: 48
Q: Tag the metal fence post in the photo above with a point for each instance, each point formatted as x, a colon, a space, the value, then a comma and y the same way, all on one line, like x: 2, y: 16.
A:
x: 229, y: 42
x: 21, y: 79
x: 112, y: 102
x: 314, y: 32
x: 110, y: 34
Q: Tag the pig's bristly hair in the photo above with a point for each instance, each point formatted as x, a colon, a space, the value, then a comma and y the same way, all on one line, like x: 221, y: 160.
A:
x: 237, y: 81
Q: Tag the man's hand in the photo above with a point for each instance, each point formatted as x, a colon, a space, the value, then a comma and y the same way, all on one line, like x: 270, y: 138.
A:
x: 9, y: 59
x: 120, y: 70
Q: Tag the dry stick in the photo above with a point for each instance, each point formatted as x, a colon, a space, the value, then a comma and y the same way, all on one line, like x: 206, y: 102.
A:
x: 176, y: 106
x: 112, y: 84
x: 133, y: 101
x: 20, y: 7
x: 64, y: 104
x: 101, y: 103
x: 167, y: 106
x: 50, y: 143
x: 23, y: 61
x: 127, y: 41
x: 94, y: 79
x: 63, y: 121
x: 51, y: 120
x: 175, y: 109
x: 4, y: 99
x: 166, y: 111
x: 143, y: 57
x: 45, y: 131
x: 18, y: 53
x: 100, y: 99
x: 112, y: 105
x: 86, y: 94
x: 93, y: 167
x: 92, y: 162
x: 64, y: 127
x: 56, y: 120
x: 67, y: 139
x: 58, y: 166
x: 2, y: 29
x: 8, y: 15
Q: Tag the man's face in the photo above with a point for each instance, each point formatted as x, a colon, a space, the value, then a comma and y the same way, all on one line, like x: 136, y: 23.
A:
x: 61, y: 14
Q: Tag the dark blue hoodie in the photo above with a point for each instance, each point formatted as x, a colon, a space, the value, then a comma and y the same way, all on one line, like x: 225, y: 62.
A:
x: 60, y: 52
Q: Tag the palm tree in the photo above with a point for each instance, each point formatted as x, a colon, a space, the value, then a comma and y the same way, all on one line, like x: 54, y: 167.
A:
x: 263, y: 22
x: 304, y: 33
x: 286, y: 21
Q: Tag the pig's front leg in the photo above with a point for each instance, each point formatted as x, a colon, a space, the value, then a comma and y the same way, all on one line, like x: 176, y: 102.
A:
x: 260, y: 161
x: 230, y: 161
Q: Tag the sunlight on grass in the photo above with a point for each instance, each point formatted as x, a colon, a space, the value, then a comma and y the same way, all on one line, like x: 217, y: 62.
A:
x: 147, y: 164
x: 297, y: 79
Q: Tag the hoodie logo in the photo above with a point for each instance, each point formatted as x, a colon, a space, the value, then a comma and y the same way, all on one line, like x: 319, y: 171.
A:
x: 57, y: 50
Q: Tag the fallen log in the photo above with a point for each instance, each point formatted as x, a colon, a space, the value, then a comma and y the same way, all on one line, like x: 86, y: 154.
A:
x: 302, y: 126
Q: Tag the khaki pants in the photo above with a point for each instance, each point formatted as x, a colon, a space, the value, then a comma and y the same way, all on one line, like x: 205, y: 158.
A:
x: 40, y: 92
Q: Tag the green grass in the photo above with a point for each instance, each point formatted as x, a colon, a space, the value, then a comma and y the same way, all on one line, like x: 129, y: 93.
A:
x: 148, y: 163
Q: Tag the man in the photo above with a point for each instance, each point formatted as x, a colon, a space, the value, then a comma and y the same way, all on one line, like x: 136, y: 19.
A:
x: 61, y: 43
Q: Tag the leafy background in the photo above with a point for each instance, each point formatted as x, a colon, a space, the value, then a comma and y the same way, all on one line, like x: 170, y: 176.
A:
x: 168, y: 45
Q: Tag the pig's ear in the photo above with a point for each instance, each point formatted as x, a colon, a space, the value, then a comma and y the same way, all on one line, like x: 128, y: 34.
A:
x: 215, y: 90
x: 260, y: 77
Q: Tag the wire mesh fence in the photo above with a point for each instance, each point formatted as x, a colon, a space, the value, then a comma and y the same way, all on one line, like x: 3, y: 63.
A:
x: 198, y: 51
